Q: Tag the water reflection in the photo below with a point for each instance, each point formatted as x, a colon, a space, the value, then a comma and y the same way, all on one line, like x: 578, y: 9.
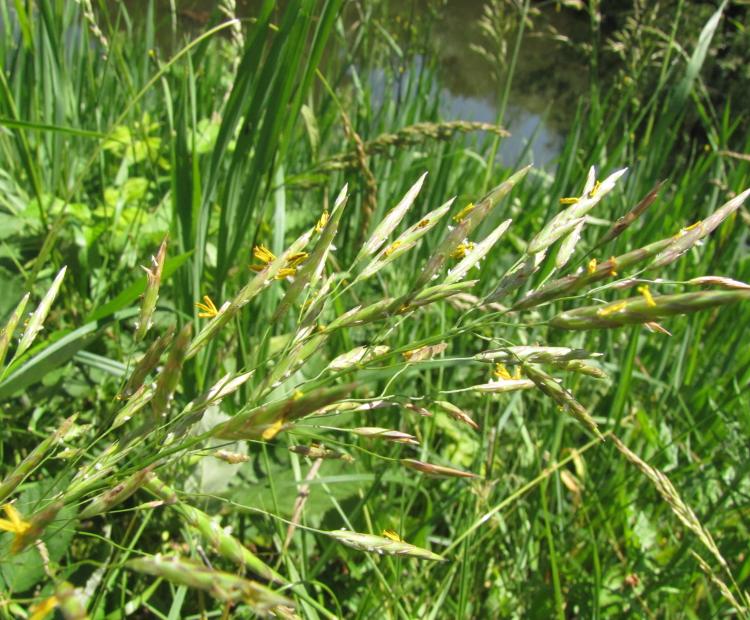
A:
x: 548, y: 78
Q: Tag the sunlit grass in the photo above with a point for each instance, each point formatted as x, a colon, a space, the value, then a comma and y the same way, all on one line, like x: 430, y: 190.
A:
x: 304, y: 369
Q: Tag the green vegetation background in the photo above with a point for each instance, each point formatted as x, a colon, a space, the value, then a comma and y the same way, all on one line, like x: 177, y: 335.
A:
x: 120, y: 127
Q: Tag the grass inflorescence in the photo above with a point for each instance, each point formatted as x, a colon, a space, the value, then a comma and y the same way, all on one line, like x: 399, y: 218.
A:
x: 370, y: 370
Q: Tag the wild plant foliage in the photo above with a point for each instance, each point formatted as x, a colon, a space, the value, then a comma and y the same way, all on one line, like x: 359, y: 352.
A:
x: 255, y: 361
x: 151, y: 432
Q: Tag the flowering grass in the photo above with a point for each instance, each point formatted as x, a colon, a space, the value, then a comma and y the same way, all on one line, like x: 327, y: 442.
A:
x: 344, y: 387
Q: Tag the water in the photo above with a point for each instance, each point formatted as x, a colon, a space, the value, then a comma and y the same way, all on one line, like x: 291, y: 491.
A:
x: 548, y: 78
x: 549, y: 75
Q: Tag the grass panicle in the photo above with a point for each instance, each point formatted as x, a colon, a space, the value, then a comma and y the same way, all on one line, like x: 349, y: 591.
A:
x: 382, y: 545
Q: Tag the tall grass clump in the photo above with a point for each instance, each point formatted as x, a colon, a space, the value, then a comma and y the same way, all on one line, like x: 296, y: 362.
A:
x: 279, y: 342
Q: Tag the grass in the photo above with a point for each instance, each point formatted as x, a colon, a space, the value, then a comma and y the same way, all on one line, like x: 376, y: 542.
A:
x: 351, y: 437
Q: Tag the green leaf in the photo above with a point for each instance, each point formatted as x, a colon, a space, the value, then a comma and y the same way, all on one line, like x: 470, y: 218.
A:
x: 53, y: 354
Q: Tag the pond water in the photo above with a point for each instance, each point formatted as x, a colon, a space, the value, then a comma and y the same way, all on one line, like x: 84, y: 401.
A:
x: 549, y: 75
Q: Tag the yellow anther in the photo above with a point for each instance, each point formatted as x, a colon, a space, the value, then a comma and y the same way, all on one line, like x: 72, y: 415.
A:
x: 464, y: 212
x: 295, y: 258
x: 424, y: 223
x: 643, y: 290
x: 595, y: 189
x: 263, y: 254
x: 285, y: 272
x: 393, y: 247
x: 612, y: 308
x: 42, y: 610
x: 592, y: 265
x: 462, y: 250
x: 207, y: 308
x: 501, y: 372
x: 569, y: 201
x: 272, y: 430
x: 322, y: 222
x: 612, y: 266
x: 15, y: 524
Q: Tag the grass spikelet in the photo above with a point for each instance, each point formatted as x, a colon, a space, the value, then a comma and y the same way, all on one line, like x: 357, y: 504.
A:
x: 256, y: 285
x: 552, y: 388
x: 409, y: 136
x: 315, y: 304
x: 382, y: 545
x: 405, y: 242
x: 301, y: 350
x: 439, y: 471
x: 721, y: 282
x: 425, y: 413
x: 151, y: 296
x: 72, y: 601
x: 272, y: 269
x: 688, y: 237
x: 260, y: 422
x: 350, y: 406
x: 309, y: 273
x: 233, y: 458
x: 169, y: 377
x: 147, y: 363
x: 357, y: 356
x: 10, y: 328
x: 361, y: 316
x: 534, y: 354
x: 569, y: 243
x: 220, y: 585
x: 135, y: 403
x: 227, y: 385
x: 457, y: 413
x: 719, y: 583
x: 670, y: 495
x: 116, y: 495
x: 213, y: 535
x: 601, y: 271
x: 376, y: 432
x: 319, y: 452
x: 500, y: 386
x: 516, y: 276
x: 87, y: 11
x: 641, y: 310
x: 438, y: 292
x: 34, y: 326
x: 622, y: 224
x: 476, y: 254
x: 228, y: 310
x: 425, y: 353
x: 34, y: 458
x: 390, y: 221
x: 465, y: 227
x: 560, y: 225
x: 581, y: 368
